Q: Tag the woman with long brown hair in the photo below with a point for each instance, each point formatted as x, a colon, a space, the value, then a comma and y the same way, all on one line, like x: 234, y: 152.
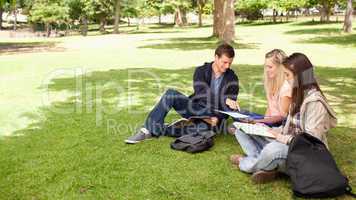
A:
x: 309, y: 113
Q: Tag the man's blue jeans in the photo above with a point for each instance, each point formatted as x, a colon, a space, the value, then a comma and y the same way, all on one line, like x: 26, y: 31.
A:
x: 182, y: 104
x: 261, y: 153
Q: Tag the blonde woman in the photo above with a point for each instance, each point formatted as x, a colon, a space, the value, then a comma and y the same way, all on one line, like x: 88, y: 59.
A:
x: 278, y: 94
x: 278, y: 91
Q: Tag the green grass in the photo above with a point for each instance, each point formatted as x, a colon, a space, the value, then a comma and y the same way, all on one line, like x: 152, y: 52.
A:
x: 67, y: 131
x: 81, y: 155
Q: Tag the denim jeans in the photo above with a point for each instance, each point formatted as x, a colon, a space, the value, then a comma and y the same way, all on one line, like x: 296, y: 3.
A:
x: 183, y: 105
x: 261, y: 153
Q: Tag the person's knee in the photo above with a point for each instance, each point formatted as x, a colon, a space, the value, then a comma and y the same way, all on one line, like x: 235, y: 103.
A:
x: 273, y: 150
x: 170, y: 92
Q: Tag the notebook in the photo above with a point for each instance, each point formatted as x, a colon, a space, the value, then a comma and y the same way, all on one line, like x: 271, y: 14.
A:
x: 254, y: 129
x: 235, y: 115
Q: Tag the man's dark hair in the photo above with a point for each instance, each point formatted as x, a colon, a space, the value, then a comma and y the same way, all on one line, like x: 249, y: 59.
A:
x: 225, y: 49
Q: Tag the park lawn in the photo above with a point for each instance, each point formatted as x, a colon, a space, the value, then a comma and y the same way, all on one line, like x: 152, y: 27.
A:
x: 28, y: 64
x: 75, y: 148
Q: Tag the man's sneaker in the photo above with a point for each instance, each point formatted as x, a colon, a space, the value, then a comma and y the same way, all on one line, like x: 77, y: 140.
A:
x: 142, y: 134
x: 261, y: 177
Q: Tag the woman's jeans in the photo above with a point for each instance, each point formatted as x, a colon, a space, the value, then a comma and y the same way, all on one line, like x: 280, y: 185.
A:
x: 261, y: 153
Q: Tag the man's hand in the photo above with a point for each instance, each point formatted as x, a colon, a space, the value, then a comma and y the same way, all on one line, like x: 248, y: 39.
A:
x: 248, y: 120
x: 232, y: 104
x: 213, y: 121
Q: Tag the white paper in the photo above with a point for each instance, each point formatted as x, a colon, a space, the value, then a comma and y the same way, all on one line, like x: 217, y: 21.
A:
x: 254, y: 129
x: 236, y: 115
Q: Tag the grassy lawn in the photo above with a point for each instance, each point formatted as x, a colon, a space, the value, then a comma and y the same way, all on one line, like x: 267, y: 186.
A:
x: 68, y: 129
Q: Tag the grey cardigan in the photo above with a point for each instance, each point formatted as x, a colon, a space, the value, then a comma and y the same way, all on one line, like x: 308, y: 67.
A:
x: 316, y: 118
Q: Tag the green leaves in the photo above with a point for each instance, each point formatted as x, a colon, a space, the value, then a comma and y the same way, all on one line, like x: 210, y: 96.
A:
x: 49, y: 12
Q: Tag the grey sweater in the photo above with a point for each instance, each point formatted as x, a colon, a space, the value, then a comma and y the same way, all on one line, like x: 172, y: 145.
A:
x: 316, y: 118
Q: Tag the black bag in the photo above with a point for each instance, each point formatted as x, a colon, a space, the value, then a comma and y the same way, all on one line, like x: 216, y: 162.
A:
x: 313, y: 171
x: 194, y: 143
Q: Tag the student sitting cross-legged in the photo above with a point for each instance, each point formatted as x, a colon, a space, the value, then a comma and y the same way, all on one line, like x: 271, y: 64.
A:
x: 278, y: 92
x: 309, y: 112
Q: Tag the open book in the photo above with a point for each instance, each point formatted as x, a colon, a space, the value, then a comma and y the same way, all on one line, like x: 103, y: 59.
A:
x: 234, y: 114
x: 254, y: 129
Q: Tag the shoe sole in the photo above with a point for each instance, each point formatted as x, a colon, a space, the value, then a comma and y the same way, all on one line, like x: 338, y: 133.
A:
x: 131, y: 142
x: 263, y: 177
x: 135, y: 142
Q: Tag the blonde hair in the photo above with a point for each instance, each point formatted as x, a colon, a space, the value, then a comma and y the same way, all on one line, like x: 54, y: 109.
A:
x: 272, y: 86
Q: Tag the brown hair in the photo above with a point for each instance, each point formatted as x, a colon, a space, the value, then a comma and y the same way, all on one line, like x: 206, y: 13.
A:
x: 225, y: 49
x: 304, y: 79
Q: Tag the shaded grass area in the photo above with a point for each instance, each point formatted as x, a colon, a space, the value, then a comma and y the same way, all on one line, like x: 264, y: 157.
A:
x: 262, y: 23
x: 316, y: 22
x: 343, y: 40
x: 317, y: 31
x: 26, y: 47
x: 195, y: 43
x: 76, y: 150
x: 332, y: 36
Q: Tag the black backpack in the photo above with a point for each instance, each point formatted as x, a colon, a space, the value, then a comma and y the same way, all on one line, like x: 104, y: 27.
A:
x: 194, y: 143
x: 313, y: 171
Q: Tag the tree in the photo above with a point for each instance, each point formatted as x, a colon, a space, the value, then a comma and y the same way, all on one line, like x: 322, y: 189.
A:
x: 100, y: 10
x: 180, y: 8
x: 348, y: 17
x: 50, y: 13
x: 117, y: 17
x: 325, y: 9
x: 251, y: 9
x: 292, y: 5
x: 224, y: 20
x: 2, y: 4
x: 10, y: 6
x: 276, y: 6
x: 200, y: 4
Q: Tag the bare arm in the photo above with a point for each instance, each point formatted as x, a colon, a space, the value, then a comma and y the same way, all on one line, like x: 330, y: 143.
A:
x: 285, y: 103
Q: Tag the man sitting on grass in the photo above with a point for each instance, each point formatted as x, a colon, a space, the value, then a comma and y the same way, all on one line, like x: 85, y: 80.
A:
x: 215, y: 87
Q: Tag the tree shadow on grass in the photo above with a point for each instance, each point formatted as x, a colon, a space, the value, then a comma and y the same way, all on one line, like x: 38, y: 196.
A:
x: 27, y: 47
x: 343, y: 40
x: 261, y: 23
x: 316, y: 31
x: 313, y: 23
x: 76, y: 147
x: 195, y: 43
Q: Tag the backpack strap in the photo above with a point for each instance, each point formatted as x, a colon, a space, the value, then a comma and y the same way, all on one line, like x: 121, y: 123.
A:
x: 349, y: 191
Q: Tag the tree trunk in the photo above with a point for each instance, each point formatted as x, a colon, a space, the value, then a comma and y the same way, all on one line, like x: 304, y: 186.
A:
x: 287, y: 16
x: 200, y: 8
x: 117, y: 17
x: 348, y: 17
x: 48, y: 29
x: 324, y: 11
x: 15, y: 19
x: 275, y: 16
x: 218, y: 24
x: 102, y: 24
x: 160, y: 18
x: 229, y: 29
x: 178, y: 18
x: 184, y: 17
x: 128, y: 21
x: 85, y: 26
x: 1, y: 12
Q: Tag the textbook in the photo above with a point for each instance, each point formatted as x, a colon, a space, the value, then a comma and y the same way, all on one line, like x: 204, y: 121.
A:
x: 184, y: 121
x: 254, y: 129
x: 235, y: 114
